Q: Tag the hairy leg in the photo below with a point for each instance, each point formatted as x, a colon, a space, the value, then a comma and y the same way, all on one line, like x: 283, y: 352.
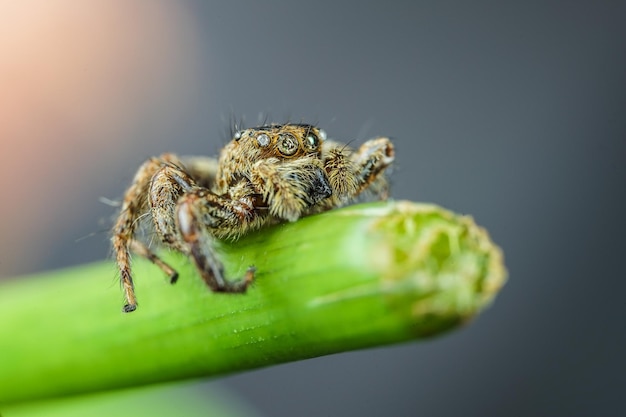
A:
x: 201, y: 216
x: 372, y: 158
x: 134, y: 206
x: 142, y: 250
x: 352, y: 172
x: 340, y: 170
x: 168, y: 184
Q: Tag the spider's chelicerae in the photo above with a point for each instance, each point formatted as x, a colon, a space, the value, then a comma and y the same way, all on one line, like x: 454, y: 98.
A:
x: 265, y: 175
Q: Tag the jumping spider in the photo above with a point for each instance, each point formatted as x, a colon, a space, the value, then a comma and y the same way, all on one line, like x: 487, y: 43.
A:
x: 265, y: 175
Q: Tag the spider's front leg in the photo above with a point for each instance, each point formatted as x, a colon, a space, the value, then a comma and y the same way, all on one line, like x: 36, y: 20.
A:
x: 201, y: 217
x: 371, y: 160
x: 134, y: 207
x: 352, y: 172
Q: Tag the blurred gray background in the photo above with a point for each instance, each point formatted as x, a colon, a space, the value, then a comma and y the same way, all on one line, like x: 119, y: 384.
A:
x: 512, y: 112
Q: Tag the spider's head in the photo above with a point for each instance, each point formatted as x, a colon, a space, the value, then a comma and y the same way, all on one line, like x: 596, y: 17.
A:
x: 288, y: 141
x: 294, y: 151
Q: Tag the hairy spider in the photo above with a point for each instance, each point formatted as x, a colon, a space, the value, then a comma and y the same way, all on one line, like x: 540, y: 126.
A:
x: 265, y: 175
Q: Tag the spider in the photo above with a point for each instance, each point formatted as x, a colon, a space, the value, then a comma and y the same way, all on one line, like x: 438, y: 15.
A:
x: 263, y: 176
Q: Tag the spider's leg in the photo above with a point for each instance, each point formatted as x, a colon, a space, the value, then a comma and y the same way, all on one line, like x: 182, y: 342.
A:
x: 341, y: 172
x: 371, y: 160
x: 133, y: 207
x: 142, y: 250
x: 201, y: 215
x: 168, y: 184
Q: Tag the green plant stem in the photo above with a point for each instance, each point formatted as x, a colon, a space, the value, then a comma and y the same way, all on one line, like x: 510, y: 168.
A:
x: 361, y: 276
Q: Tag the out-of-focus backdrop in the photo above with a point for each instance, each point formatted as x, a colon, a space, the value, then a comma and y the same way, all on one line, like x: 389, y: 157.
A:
x: 510, y: 111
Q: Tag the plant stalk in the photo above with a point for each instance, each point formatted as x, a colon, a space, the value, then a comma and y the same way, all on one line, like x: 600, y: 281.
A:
x: 362, y: 276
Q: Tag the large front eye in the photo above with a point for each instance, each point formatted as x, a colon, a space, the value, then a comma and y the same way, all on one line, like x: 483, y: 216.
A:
x: 311, y: 142
x: 287, y: 144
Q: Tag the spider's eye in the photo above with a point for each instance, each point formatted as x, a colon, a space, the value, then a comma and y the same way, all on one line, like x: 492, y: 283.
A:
x: 263, y: 139
x: 311, y: 142
x: 287, y: 144
x: 237, y: 135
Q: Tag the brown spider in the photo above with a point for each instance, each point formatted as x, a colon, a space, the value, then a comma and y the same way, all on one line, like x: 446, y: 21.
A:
x: 265, y: 175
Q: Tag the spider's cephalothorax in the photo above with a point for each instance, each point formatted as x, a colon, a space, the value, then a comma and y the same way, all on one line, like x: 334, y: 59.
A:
x: 264, y: 175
